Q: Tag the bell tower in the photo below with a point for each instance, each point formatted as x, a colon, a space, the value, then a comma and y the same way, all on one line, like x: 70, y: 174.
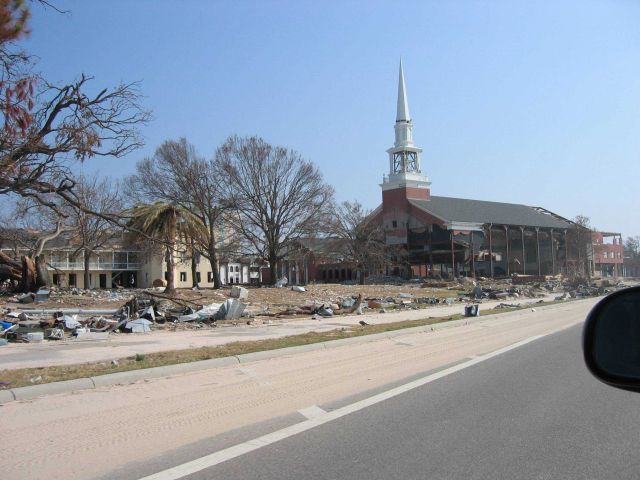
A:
x: 405, y: 170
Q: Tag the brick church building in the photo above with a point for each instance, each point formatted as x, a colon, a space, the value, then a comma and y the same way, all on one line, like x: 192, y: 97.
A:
x: 429, y: 234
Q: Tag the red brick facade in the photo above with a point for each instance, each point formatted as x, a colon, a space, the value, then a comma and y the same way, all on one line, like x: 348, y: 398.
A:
x: 608, y: 253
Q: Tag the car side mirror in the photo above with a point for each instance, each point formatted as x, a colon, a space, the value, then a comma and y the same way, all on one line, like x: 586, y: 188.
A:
x: 611, y: 339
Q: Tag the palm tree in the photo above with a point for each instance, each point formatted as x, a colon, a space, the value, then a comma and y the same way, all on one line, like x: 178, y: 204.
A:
x: 162, y: 222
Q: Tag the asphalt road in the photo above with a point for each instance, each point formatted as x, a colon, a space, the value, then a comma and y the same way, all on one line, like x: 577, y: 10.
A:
x: 531, y: 413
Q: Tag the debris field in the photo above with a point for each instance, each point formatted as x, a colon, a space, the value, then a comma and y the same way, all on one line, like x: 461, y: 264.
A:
x: 94, y: 315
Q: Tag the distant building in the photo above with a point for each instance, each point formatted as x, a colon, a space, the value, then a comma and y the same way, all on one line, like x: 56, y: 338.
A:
x: 120, y: 263
x: 608, y: 254
x: 317, y: 259
x: 114, y: 264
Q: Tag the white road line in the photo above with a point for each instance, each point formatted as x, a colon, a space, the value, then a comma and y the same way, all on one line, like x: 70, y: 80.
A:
x: 216, y: 458
x: 312, y: 412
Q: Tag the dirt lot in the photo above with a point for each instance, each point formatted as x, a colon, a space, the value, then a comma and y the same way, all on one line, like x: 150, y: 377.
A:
x: 262, y: 298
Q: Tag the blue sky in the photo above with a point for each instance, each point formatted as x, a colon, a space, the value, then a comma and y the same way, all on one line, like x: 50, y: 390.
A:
x: 534, y: 102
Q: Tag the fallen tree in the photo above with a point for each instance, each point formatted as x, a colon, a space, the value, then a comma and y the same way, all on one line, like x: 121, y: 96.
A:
x: 10, y: 269
x: 29, y: 273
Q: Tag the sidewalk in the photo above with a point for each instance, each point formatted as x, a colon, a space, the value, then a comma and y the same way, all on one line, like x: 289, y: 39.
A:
x: 68, y: 352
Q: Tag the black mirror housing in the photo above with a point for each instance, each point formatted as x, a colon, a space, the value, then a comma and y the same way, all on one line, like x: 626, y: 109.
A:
x: 611, y: 339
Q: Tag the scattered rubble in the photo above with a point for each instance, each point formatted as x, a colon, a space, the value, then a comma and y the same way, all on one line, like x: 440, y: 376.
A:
x: 507, y: 305
x: 94, y: 315
x: 142, y: 312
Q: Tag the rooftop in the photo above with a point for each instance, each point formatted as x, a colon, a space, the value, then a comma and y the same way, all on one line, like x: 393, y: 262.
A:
x: 480, y: 211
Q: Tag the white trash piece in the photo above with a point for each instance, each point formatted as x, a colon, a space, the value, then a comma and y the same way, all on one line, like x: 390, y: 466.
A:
x: 141, y: 325
x: 71, y: 321
x: 35, y: 337
x: 240, y: 293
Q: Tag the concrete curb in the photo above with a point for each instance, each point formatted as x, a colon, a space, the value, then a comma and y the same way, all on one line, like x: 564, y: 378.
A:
x: 279, y: 352
x: 120, y: 378
x: 33, y: 391
x: 132, y: 376
x: 6, y: 396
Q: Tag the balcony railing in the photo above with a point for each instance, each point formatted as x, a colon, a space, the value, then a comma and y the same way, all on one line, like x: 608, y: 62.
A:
x: 94, y: 265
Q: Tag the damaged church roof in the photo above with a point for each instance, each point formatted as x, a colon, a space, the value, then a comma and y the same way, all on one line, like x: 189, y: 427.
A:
x: 480, y: 211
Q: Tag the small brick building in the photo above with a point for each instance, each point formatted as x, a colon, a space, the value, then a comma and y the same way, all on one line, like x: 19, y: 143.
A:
x: 608, y: 253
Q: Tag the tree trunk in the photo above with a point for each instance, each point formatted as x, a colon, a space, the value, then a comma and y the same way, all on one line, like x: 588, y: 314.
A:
x: 213, y: 259
x: 10, y: 269
x: 215, y: 268
x: 171, y: 288
x: 171, y: 244
x: 7, y: 273
x: 42, y: 274
x: 194, y: 265
x: 7, y: 260
x: 87, y: 278
x: 29, y: 279
x: 273, y: 261
x: 194, y: 273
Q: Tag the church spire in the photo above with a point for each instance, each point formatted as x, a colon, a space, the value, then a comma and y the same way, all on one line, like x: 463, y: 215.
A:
x: 403, y: 106
x: 403, y: 126
x: 405, y: 171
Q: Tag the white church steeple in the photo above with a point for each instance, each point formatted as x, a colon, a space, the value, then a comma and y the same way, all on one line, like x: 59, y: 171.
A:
x: 404, y: 157
x: 403, y: 106
x: 403, y: 127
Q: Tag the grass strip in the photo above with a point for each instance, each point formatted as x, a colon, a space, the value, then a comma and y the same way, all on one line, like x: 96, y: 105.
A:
x: 38, y: 375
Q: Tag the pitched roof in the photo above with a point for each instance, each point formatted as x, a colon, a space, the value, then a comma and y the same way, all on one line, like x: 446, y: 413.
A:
x: 480, y: 211
x: 323, y: 245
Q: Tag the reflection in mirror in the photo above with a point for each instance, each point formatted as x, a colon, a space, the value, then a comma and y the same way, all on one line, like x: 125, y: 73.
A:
x: 616, y: 345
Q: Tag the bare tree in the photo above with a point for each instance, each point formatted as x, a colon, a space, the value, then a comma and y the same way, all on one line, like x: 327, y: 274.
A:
x: 68, y: 126
x: 579, y: 248
x: 364, y: 242
x: 47, y: 127
x: 276, y: 195
x: 91, y: 232
x: 632, y: 247
x: 176, y: 174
